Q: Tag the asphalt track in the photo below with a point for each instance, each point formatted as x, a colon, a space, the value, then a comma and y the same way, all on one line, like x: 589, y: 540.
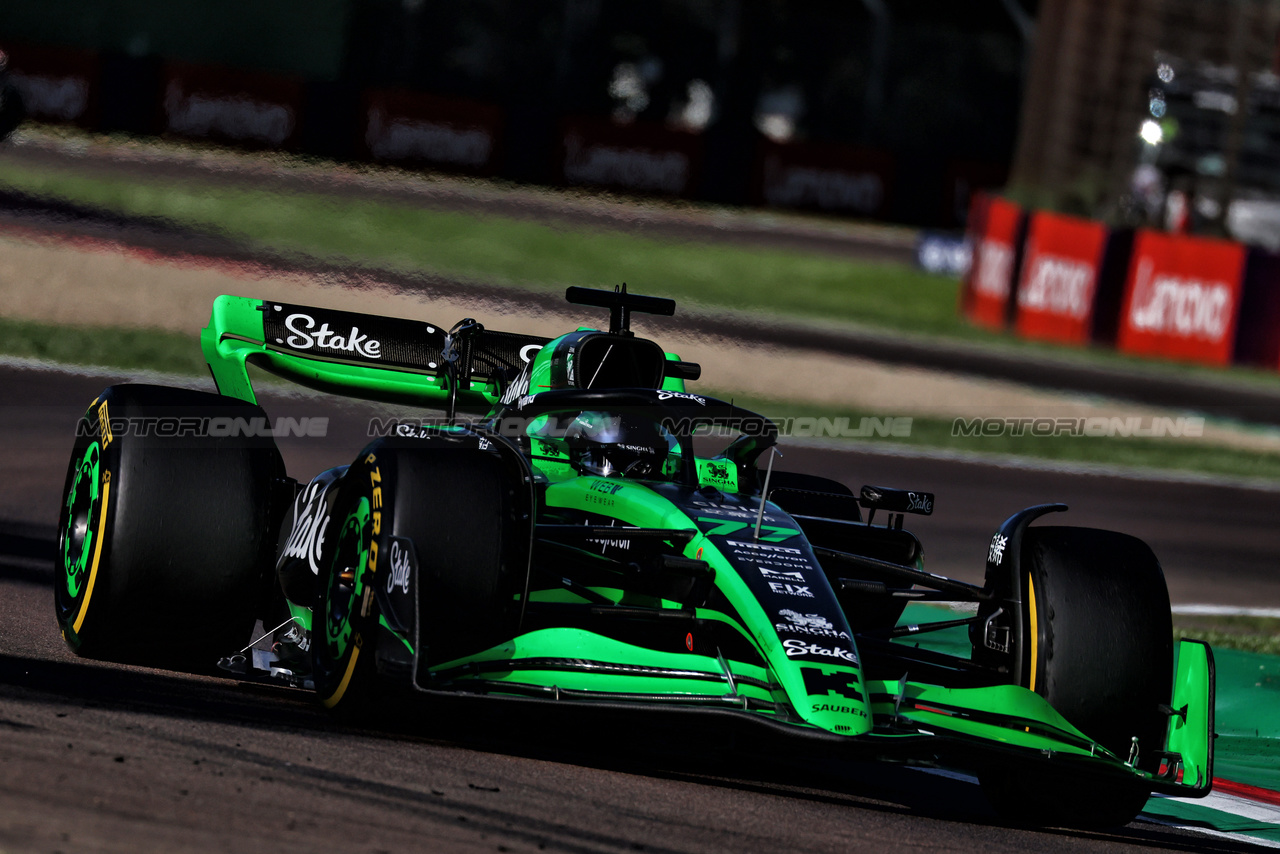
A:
x: 103, y: 757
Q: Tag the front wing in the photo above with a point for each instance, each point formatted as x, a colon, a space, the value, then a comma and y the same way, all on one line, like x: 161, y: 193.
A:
x: 911, y: 721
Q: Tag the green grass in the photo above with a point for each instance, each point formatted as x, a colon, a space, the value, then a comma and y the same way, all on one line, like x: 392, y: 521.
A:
x: 515, y: 252
x: 127, y: 349
x: 1250, y: 634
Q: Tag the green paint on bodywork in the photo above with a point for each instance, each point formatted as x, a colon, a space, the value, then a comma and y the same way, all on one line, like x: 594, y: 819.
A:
x: 705, y: 677
x: 718, y: 472
x: 635, y: 504
x: 301, y: 614
x: 382, y: 621
x: 234, y: 332
x: 672, y: 383
x: 1189, y: 727
x: 1247, y: 749
x: 1008, y: 714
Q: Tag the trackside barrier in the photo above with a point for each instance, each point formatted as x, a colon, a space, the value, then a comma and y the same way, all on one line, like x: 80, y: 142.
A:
x: 1061, y: 265
x: 996, y: 229
x: 824, y: 177
x: 643, y: 157
x: 230, y: 105
x: 1147, y: 293
x: 57, y: 84
x: 1182, y: 298
x: 416, y: 128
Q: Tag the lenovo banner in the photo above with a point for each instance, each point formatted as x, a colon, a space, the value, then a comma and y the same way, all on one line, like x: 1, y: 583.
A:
x: 641, y: 157
x: 1062, y: 258
x: 824, y: 177
x: 230, y: 105
x: 57, y: 84
x: 1182, y: 298
x: 410, y: 127
x: 995, y: 226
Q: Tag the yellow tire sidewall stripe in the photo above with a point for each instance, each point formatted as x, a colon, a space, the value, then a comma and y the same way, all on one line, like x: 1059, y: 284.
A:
x: 336, y: 697
x: 97, y: 555
x: 1035, y: 631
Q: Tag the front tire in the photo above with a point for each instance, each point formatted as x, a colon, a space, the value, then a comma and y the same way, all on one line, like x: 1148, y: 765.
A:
x: 1100, y: 646
x: 453, y: 509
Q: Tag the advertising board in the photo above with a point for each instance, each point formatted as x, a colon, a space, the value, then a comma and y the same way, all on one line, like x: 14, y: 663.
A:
x: 1061, y: 262
x: 1182, y: 298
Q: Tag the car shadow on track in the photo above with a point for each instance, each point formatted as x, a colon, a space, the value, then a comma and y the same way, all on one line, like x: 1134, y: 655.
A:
x: 678, y: 746
x: 712, y: 749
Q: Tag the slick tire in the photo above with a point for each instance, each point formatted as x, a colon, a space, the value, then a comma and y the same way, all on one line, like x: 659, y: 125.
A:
x: 165, y: 535
x: 1100, y: 646
x: 452, y: 510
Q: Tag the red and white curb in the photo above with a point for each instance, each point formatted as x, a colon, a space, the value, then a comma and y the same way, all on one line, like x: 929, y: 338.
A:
x: 1232, y: 810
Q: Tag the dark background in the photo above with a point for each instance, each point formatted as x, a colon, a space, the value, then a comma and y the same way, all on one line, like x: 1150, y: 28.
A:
x: 921, y: 84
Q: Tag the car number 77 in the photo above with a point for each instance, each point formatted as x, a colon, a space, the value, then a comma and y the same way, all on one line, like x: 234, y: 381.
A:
x: 729, y: 527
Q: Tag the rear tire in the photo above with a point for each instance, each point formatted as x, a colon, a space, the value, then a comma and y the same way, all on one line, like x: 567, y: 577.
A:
x: 454, y: 506
x: 1100, y: 646
x: 165, y: 535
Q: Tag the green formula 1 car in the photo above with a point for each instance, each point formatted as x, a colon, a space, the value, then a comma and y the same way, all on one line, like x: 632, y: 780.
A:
x: 599, y: 534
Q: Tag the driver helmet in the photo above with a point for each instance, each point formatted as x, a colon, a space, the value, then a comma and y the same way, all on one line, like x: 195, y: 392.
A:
x: 628, y: 445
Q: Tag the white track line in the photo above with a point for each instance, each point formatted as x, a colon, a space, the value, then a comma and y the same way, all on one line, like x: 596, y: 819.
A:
x: 1009, y: 461
x: 1226, y: 611
x: 1233, y: 836
x: 1236, y: 805
x: 21, y: 363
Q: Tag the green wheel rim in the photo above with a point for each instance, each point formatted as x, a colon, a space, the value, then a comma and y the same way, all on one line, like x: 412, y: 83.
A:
x: 346, y: 581
x: 82, y: 502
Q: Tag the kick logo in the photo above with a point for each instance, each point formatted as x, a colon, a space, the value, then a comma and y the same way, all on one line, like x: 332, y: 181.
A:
x: 808, y: 624
x: 807, y: 621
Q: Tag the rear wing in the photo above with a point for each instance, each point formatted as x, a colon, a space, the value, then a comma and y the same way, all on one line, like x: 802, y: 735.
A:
x: 360, y: 355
